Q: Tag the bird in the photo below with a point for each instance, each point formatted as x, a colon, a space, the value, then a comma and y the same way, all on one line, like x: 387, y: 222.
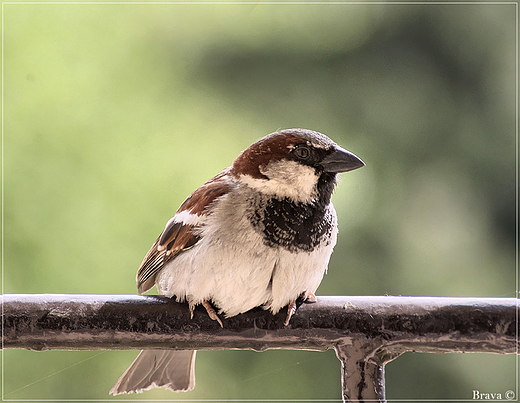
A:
x: 258, y: 234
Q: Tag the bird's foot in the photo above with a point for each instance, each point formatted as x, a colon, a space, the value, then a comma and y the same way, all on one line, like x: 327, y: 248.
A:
x: 192, y: 306
x: 290, y: 312
x: 209, y: 309
x: 211, y: 312
x: 310, y: 298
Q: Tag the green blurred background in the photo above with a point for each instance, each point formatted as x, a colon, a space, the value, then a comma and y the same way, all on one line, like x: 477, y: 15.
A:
x: 114, y: 113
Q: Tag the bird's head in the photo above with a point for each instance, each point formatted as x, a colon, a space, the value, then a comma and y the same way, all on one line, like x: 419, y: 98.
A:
x: 298, y: 164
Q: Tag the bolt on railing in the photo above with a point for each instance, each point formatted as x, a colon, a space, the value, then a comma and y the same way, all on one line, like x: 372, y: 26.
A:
x: 365, y: 331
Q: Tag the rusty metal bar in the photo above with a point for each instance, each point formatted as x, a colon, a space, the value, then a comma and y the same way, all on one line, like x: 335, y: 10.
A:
x: 366, y: 332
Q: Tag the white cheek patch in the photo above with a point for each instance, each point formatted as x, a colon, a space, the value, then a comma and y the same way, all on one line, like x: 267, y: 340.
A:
x: 286, y: 179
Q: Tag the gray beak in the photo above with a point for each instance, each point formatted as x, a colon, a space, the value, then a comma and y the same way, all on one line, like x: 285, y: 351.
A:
x: 341, y: 160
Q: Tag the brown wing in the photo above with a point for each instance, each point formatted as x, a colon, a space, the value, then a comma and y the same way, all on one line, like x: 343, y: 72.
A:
x: 182, y: 239
x: 179, y: 235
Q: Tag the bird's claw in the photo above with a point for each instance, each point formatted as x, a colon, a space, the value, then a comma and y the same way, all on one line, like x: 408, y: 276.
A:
x: 211, y: 312
x: 209, y: 309
x: 310, y: 298
x: 290, y: 312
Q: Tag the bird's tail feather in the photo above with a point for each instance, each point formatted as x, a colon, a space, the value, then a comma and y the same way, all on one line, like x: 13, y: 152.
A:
x: 174, y: 370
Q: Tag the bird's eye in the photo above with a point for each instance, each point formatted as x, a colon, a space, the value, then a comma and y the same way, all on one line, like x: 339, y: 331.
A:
x: 302, y: 152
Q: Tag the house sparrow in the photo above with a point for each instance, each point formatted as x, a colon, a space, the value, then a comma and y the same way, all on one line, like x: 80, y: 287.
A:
x: 260, y: 233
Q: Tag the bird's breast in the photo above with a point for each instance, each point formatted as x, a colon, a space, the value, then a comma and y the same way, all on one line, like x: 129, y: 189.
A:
x: 253, y: 252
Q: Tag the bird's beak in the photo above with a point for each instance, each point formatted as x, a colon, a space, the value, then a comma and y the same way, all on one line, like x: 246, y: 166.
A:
x: 341, y: 160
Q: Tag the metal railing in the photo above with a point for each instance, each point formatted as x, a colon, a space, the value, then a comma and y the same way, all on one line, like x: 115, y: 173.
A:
x: 365, y: 331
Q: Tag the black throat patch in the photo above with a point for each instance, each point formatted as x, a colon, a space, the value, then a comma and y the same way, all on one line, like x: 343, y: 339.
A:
x: 292, y: 225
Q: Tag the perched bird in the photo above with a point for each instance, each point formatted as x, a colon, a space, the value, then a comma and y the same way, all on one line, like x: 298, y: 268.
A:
x: 260, y: 233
